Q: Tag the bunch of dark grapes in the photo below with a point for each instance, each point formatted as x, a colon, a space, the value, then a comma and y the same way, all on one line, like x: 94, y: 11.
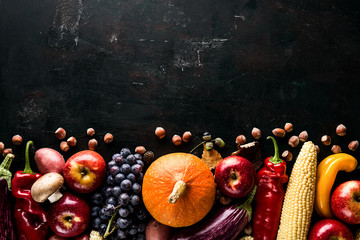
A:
x: 118, y: 208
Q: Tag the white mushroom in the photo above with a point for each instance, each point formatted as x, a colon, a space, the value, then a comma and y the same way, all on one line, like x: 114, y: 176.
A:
x: 47, y: 187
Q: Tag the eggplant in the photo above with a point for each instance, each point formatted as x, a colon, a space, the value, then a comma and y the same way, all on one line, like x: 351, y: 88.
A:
x: 225, y: 223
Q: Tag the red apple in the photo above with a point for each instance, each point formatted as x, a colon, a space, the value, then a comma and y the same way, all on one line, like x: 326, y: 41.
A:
x: 330, y: 229
x: 84, y: 171
x: 345, y: 202
x: 56, y: 237
x: 83, y: 236
x: 235, y: 176
x: 70, y: 216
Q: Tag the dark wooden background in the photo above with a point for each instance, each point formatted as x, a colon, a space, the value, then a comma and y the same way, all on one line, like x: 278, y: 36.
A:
x: 128, y: 66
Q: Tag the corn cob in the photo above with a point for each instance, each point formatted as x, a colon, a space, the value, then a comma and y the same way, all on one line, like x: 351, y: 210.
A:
x: 299, y: 197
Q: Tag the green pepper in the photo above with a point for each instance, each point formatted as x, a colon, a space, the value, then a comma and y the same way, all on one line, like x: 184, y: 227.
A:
x: 4, y: 169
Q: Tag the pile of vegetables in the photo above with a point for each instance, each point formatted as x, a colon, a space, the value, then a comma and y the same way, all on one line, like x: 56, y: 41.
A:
x: 187, y: 197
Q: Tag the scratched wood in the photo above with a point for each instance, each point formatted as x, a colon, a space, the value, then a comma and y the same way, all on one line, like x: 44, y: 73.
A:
x: 128, y: 66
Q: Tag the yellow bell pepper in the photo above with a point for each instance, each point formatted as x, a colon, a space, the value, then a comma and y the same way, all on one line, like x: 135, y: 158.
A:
x: 326, y: 174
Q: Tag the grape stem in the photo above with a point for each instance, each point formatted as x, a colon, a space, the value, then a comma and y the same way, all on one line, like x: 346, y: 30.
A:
x: 108, y: 232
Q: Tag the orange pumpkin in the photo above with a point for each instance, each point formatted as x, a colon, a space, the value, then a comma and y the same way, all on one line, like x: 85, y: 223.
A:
x: 178, y: 189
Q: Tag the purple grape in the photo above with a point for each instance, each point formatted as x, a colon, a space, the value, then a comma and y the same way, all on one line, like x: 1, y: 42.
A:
x: 124, y: 212
x: 142, y: 227
x: 111, y: 200
x: 131, y: 177
x: 138, y: 156
x: 123, y: 199
x: 96, y: 222
x: 109, y: 210
x: 125, y: 152
x: 96, y: 198
x: 141, y: 163
x: 140, y: 178
x: 115, y: 156
x: 134, y: 200
x: 133, y: 229
x: 121, y: 234
x: 119, y: 177
x: 136, y: 169
x: 116, y: 191
x: 136, y: 188
x: 126, y: 185
x: 122, y: 223
x: 130, y: 159
x: 114, y: 170
x: 119, y: 160
x: 125, y: 169
x: 110, y: 180
x: 110, y: 164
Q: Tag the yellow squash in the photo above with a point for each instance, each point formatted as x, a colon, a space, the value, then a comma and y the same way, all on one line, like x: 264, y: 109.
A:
x: 326, y: 174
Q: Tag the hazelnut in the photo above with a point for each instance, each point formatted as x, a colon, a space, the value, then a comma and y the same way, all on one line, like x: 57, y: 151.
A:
x: 17, y: 140
x: 353, y: 146
x: 241, y: 139
x: 60, y: 133
x: 248, y: 229
x: 336, y: 149
x: 225, y: 200
x: 90, y: 132
x: 288, y: 127
x: 140, y: 150
x: 279, y: 132
x: 148, y: 157
x: 176, y: 139
x: 293, y: 141
x: 71, y: 141
x: 160, y: 132
x: 92, y: 144
x: 317, y: 149
x: 287, y: 155
x: 303, y: 136
x: 341, y: 130
x: 256, y: 133
x: 186, y: 136
x: 108, y: 138
x: 6, y: 151
x: 64, y: 146
x: 2, y: 147
x: 326, y: 140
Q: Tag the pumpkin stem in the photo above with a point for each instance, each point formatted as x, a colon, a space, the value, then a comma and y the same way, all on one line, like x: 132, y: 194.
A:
x: 178, y: 190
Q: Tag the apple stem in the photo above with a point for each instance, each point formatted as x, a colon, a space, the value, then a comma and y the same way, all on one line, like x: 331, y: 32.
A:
x: 27, y: 168
x: 178, y: 191
x: 276, y: 158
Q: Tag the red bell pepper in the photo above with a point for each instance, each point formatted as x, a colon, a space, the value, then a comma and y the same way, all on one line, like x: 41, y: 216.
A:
x: 30, y: 217
x: 271, y: 180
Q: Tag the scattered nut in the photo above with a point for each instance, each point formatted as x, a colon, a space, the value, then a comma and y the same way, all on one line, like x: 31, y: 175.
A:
x: 336, y: 149
x: 279, y: 132
x: 90, y: 132
x: 17, y: 140
x: 2, y: 147
x: 186, y: 136
x: 287, y: 155
x: 256, y: 133
x: 64, y: 146
x: 108, y: 138
x: 71, y: 141
x: 176, y: 139
x: 303, y: 136
x: 288, y: 127
x: 241, y: 139
x: 224, y: 200
x: 60, y: 133
x: 341, y: 130
x: 317, y: 149
x: 92, y: 144
x: 6, y: 151
x: 140, y: 150
x: 148, y: 157
x: 206, y: 136
x: 248, y: 229
x: 326, y: 140
x: 353, y: 146
x: 160, y: 132
x: 293, y: 141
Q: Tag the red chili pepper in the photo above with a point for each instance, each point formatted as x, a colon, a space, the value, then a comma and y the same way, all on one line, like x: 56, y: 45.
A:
x: 30, y: 217
x: 271, y: 180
